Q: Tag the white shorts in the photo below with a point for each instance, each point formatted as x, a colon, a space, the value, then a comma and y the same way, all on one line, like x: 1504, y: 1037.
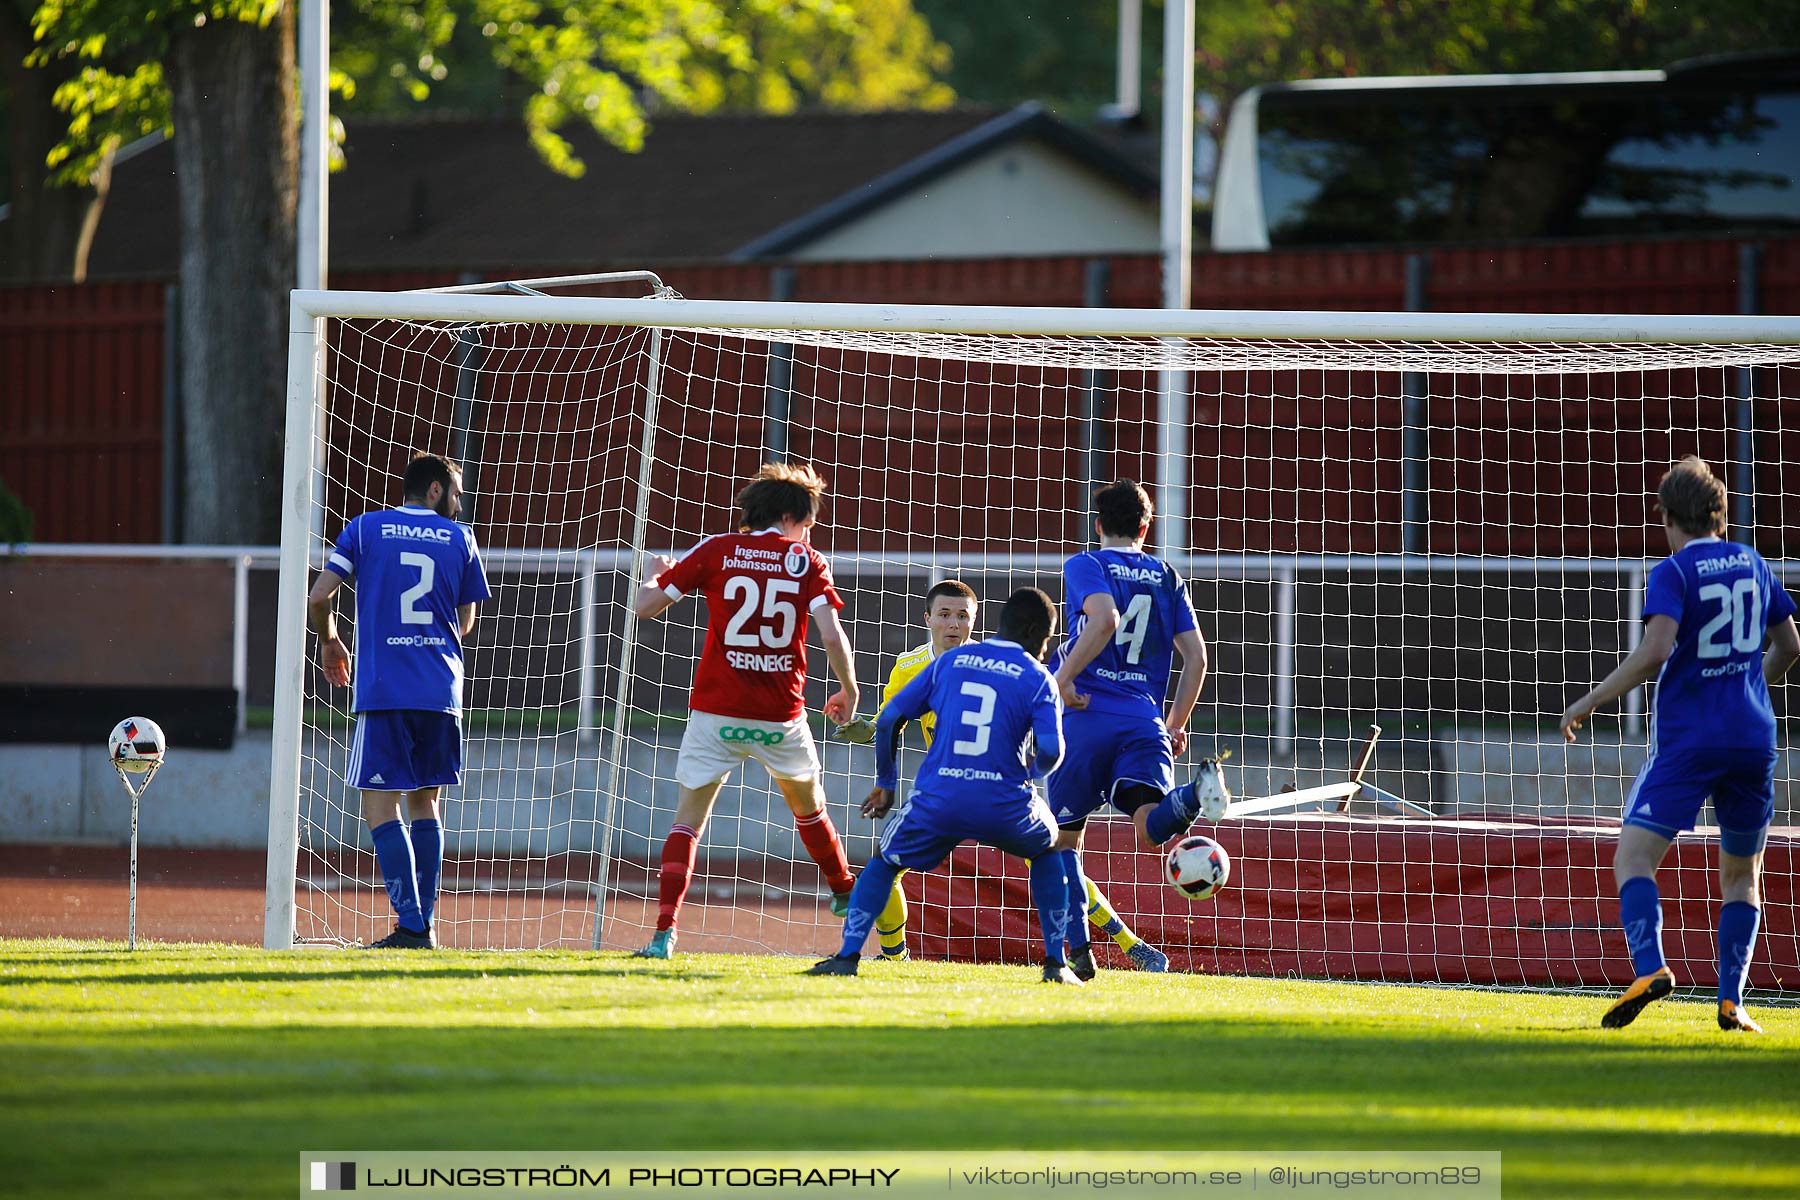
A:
x: 714, y: 746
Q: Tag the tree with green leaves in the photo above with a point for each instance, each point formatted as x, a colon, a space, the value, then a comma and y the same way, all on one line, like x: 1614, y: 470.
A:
x: 56, y: 202
x: 1058, y: 53
x: 1242, y: 43
x: 220, y: 74
x: 1065, y: 54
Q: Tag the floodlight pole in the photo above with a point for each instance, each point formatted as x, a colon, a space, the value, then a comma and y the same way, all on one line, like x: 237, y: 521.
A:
x: 1178, y: 259
x: 1129, y: 101
x: 313, y: 220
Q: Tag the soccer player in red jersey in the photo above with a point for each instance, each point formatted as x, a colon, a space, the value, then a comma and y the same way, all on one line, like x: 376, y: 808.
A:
x: 761, y: 584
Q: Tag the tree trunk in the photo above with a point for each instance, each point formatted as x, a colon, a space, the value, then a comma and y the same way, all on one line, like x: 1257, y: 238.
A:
x: 51, y: 226
x: 233, y: 94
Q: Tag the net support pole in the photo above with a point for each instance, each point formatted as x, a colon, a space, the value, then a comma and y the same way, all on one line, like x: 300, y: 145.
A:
x: 1286, y: 587
x: 640, y: 534
x: 588, y: 593
x: 1172, y: 464
x: 465, y: 447
x: 298, y: 501
x: 240, y: 638
x: 1415, y: 451
x: 1095, y: 388
x: 1634, y: 619
x: 781, y: 375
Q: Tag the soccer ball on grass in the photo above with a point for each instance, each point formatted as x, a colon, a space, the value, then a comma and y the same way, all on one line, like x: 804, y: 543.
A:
x: 1197, y: 867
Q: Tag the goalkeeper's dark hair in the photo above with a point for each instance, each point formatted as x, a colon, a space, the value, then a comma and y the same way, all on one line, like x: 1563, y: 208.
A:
x: 950, y: 587
x: 791, y: 491
x: 1693, y: 498
x: 1123, y: 508
x: 1029, y: 618
x: 424, y: 470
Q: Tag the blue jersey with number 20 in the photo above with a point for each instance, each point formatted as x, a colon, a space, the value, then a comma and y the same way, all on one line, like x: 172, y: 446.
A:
x: 1711, y: 694
x: 1131, y: 674
x: 412, y: 570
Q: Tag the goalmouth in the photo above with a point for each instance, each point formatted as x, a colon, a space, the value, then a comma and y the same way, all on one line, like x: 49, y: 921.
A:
x: 1438, y: 523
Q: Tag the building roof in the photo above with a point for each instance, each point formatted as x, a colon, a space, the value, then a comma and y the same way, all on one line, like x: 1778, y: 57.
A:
x: 471, y: 193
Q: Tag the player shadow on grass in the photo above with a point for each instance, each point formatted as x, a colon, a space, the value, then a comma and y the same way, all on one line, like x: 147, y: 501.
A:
x: 227, y: 1095
x: 1425, y: 1090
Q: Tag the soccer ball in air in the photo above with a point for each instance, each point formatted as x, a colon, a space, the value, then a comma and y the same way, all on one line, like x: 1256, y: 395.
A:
x: 1197, y: 867
x: 136, y: 745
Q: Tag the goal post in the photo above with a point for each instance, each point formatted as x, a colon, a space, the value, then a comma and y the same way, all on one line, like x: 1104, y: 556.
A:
x: 963, y: 442
x: 299, y: 502
x: 640, y: 538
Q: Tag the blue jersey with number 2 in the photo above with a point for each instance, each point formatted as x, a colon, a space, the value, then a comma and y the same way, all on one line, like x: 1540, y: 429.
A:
x: 1130, y: 675
x: 1711, y: 694
x: 412, y: 569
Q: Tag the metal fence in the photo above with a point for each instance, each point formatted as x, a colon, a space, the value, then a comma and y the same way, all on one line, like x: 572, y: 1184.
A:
x: 883, y: 588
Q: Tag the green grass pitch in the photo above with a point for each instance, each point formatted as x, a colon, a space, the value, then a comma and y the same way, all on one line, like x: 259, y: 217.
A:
x: 205, y: 1070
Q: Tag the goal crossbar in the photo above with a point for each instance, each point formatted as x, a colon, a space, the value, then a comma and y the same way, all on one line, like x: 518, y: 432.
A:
x: 774, y: 316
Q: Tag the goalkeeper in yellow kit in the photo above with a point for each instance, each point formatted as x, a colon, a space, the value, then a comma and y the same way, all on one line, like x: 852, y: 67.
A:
x: 950, y: 611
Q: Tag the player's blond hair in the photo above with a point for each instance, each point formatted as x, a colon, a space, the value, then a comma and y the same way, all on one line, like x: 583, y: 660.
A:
x: 778, y: 491
x: 1693, y: 498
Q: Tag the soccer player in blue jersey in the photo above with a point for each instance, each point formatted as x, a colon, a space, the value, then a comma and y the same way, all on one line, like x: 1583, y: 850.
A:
x: 1718, y: 630
x: 1131, y: 616
x: 950, y: 613
x: 418, y: 578
x: 999, y: 728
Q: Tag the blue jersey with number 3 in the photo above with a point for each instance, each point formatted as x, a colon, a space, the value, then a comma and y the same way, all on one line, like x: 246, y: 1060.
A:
x: 1711, y: 694
x: 999, y: 726
x: 1130, y: 675
x: 412, y: 570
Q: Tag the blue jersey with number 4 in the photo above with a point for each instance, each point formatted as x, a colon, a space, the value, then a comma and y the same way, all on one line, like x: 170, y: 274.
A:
x: 412, y: 570
x: 993, y: 702
x: 1711, y: 694
x: 1130, y: 675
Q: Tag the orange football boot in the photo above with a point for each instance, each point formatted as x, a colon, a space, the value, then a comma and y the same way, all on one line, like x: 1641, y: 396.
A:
x: 1637, y: 997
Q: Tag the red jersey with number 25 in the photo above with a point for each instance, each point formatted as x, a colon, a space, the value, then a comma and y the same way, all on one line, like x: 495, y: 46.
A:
x: 760, y: 588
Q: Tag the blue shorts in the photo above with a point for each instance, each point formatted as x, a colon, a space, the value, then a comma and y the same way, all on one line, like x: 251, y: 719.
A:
x: 402, y: 750
x: 1102, y: 750
x: 925, y: 830
x: 1673, y: 784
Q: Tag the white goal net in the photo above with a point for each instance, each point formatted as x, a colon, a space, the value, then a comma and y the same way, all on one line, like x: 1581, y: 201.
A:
x: 1443, y: 536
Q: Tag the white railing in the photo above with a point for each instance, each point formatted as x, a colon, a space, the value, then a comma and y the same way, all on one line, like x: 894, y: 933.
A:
x: 1283, y: 571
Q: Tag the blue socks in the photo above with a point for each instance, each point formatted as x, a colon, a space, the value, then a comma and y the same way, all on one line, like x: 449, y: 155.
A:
x: 428, y: 863
x: 394, y: 853
x: 1640, y: 912
x: 1050, y: 892
x: 1077, y: 931
x: 1176, y: 812
x: 1737, y: 939
x: 867, y: 899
